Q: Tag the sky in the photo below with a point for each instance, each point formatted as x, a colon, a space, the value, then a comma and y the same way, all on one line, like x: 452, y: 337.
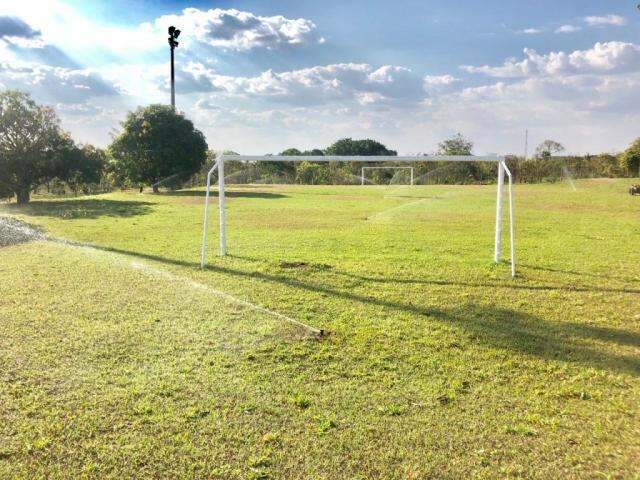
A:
x: 258, y: 77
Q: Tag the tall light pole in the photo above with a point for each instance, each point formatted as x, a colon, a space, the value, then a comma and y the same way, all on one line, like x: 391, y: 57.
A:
x: 174, y: 33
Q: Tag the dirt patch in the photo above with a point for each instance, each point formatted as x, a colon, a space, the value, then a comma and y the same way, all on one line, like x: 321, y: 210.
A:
x: 296, y: 265
x: 14, y: 232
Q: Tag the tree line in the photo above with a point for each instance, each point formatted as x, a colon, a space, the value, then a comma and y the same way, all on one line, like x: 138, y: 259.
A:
x: 159, y: 147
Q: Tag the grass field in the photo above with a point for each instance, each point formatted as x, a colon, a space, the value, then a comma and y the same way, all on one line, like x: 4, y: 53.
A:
x: 125, y: 360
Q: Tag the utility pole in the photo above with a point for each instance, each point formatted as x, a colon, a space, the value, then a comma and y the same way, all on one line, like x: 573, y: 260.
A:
x: 174, y: 33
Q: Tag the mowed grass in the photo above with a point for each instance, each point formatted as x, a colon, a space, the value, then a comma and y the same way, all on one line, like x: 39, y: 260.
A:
x: 125, y: 361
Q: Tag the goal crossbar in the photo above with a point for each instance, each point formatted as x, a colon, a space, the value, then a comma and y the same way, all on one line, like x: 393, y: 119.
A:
x: 500, y: 160
x: 360, y: 158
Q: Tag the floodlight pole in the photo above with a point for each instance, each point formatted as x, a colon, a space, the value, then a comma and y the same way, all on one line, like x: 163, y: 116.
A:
x: 173, y: 79
x: 174, y: 33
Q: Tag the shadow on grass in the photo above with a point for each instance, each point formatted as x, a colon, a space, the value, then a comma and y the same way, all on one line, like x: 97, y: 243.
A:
x: 81, y: 208
x: 232, y: 194
x: 489, y: 284
x: 579, y: 274
x: 485, y: 284
x: 501, y: 328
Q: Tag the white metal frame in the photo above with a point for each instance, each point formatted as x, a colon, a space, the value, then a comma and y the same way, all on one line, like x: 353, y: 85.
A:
x: 502, y: 170
x: 384, y: 168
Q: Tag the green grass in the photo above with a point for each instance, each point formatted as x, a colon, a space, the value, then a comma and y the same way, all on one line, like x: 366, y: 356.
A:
x: 121, y: 361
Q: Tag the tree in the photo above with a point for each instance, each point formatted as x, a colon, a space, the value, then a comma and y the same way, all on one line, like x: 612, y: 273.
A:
x: 367, y: 147
x: 83, y: 166
x: 313, y: 173
x: 157, y: 143
x: 31, y: 142
x: 630, y: 158
x: 457, y: 172
x: 547, y: 148
x: 314, y: 152
x: 348, y: 146
x: 456, y: 145
x: 291, y: 152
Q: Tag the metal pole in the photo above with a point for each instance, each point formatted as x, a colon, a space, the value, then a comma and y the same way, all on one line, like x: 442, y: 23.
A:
x: 173, y: 79
x: 205, y: 226
x: 498, y: 238
x: 221, y: 199
x: 512, y: 223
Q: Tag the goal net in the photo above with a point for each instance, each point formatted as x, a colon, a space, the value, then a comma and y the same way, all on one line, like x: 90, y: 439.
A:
x: 502, y: 170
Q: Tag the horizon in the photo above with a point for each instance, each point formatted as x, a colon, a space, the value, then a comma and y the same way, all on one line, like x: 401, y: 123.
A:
x: 258, y: 78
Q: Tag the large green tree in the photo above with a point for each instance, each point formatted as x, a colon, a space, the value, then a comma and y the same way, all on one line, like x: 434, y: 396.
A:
x: 33, y: 147
x: 157, y: 143
x: 349, y: 146
x: 366, y: 147
x: 456, y: 172
x: 83, y: 166
x: 630, y: 158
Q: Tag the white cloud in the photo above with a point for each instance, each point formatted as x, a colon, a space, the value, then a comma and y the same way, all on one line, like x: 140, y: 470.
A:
x: 578, y: 110
x: 439, y: 83
x: 237, y: 30
x: 597, y: 21
x: 61, y: 24
x: 56, y: 84
x: 440, y: 80
x: 608, y: 57
x: 362, y: 83
x: 530, y: 31
x: 568, y: 29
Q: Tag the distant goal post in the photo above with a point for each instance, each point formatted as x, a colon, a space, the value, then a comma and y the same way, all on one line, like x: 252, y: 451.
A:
x: 500, y: 160
x: 364, y: 170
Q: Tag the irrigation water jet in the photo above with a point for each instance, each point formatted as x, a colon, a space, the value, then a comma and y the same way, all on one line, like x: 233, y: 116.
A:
x: 13, y: 232
x: 568, y: 177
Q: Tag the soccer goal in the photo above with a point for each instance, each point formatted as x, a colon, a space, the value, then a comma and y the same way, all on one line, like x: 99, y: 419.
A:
x: 502, y: 170
x: 365, y: 169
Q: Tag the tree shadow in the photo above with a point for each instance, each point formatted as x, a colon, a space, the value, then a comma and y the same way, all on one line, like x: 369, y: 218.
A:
x: 231, y: 194
x: 579, y: 274
x: 502, y: 328
x: 81, y: 208
x: 488, y: 284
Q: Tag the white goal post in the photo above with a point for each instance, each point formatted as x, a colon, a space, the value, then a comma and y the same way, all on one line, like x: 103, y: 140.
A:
x: 364, y: 169
x: 502, y: 169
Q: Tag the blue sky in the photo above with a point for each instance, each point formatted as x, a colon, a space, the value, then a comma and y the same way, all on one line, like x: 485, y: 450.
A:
x: 258, y: 77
